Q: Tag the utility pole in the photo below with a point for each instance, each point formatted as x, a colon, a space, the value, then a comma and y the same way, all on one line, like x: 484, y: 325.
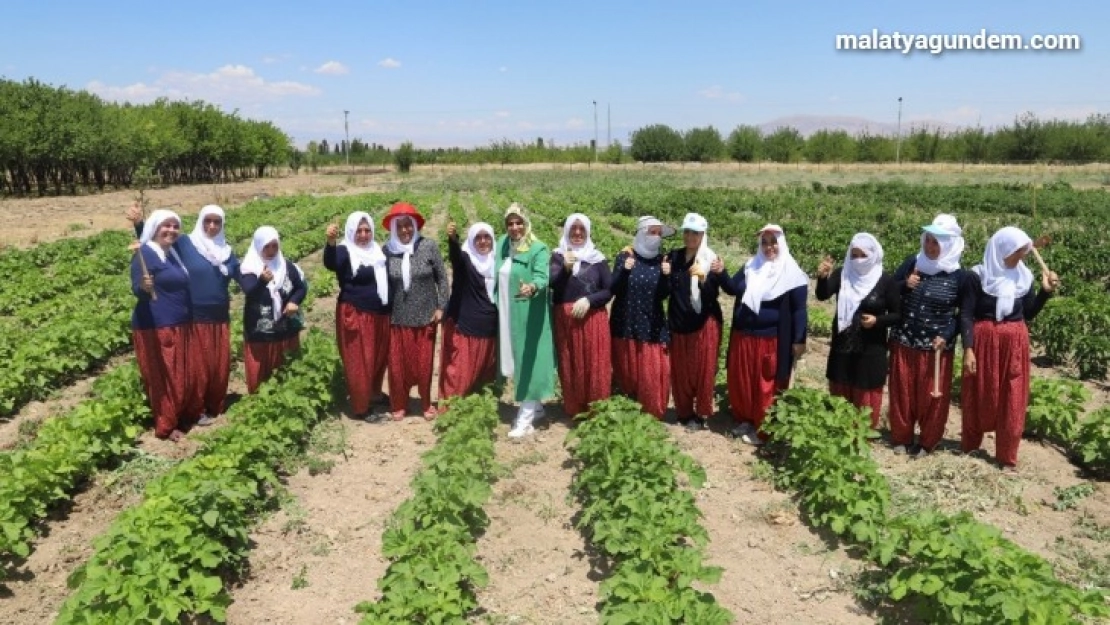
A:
x: 595, y: 131
x: 347, y: 141
x: 898, y: 149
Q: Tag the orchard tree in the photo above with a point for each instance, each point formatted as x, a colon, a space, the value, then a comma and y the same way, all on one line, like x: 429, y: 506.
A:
x: 745, y: 144
x: 656, y: 144
x: 704, y: 145
x: 784, y: 145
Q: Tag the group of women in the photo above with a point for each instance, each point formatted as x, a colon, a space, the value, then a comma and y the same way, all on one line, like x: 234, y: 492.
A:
x: 181, y: 326
x: 517, y: 310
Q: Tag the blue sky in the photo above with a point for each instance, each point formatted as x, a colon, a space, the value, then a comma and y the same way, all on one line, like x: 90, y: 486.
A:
x: 466, y: 73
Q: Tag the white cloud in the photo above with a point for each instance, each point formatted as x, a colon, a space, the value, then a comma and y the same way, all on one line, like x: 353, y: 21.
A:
x: 230, y: 85
x: 389, y: 63
x: 575, y: 123
x: 501, y: 114
x: 716, y: 92
x: 332, y: 67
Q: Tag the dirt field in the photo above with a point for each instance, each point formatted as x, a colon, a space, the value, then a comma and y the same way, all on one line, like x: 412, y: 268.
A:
x: 319, y: 555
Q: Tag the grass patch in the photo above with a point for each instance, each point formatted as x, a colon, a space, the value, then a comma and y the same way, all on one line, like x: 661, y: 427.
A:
x: 131, y: 476
x: 951, y: 483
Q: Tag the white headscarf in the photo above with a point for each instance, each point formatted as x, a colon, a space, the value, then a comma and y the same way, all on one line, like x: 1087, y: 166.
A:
x: 396, y: 247
x: 370, y: 255
x: 950, y: 237
x: 253, y: 263
x: 214, y: 249
x: 858, y: 278
x: 702, y: 259
x: 1005, y: 284
x: 768, y: 279
x: 483, y: 263
x: 648, y: 246
x: 150, y: 228
x: 586, y: 253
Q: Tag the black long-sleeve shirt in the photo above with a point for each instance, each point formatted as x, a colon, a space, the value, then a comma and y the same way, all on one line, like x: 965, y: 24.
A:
x: 977, y: 305
x: 469, y: 305
x: 593, y: 282
x: 259, y: 325
x: 858, y: 355
x: 930, y: 310
x: 359, y: 290
x: 681, y: 317
x: 638, y: 297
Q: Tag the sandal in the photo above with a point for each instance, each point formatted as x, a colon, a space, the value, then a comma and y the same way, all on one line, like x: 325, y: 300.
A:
x: 397, y: 416
x: 431, y: 414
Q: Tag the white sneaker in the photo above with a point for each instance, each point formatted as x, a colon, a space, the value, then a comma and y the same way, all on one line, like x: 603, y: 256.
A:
x: 899, y: 449
x: 751, y: 439
x: 520, y: 431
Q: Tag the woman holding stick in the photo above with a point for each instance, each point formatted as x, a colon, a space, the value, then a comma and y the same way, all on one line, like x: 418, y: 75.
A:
x: 212, y: 265
x: 922, y: 346
x: 160, y: 322
x: 867, y: 304
x: 999, y: 301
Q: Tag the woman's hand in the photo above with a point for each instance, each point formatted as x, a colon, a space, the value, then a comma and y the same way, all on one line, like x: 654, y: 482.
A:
x: 333, y: 234
x: 970, y: 366
x: 290, y: 309
x: 867, y: 321
x: 147, y: 284
x: 569, y: 258
x: 526, y: 290
x: 825, y: 267
x: 629, y: 263
x: 717, y: 266
x: 1050, y: 281
x: 799, y: 350
x: 452, y: 231
x: 437, y: 316
x: 266, y: 275
x: 913, y: 280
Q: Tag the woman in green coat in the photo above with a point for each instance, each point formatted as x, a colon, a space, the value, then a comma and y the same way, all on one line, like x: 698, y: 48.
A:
x: 525, y: 351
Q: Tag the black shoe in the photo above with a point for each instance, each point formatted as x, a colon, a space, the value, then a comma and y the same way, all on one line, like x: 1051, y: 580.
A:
x: 374, y: 416
x: 694, y: 424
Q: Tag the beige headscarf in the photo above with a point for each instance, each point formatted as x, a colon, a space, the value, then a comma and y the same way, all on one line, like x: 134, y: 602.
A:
x: 528, y: 238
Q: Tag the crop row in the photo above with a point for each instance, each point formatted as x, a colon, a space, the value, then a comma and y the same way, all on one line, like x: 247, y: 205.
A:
x: 429, y: 541
x: 957, y: 569
x: 170, y: 556
x: 1055, y: 413
x: 638, y: 509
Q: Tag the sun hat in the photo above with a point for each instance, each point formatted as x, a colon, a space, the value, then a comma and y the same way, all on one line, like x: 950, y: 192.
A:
x: 403, y: 209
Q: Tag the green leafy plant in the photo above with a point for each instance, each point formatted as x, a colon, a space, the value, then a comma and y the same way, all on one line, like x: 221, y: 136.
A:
x: 638, y: 509
x: 433, y: 575
x: 1054, y: 409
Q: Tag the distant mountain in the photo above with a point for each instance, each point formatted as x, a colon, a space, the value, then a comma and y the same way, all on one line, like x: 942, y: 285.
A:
x: 809, y: 124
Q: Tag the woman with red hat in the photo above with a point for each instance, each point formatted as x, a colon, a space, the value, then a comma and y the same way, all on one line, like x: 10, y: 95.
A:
x: 418, y: 290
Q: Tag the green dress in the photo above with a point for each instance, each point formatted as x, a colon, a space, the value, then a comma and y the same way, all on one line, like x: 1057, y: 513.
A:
x: 533, y: 350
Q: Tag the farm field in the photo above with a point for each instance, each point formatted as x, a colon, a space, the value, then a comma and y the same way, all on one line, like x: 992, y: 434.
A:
x: 313, y: 549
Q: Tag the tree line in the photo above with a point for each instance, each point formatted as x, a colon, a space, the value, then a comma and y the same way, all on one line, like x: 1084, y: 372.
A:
x: 55, y: 140
x: 1027, y: 140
